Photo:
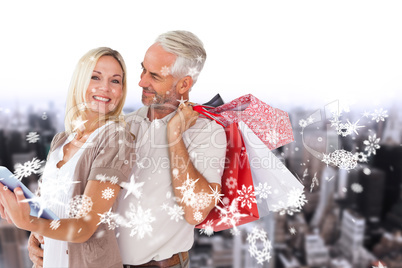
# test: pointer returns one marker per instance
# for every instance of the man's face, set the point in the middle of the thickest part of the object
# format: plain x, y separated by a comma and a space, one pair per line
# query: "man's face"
159, 86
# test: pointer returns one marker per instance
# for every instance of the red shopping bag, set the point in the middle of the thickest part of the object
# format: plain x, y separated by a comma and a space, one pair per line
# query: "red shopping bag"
270, 124
238, 204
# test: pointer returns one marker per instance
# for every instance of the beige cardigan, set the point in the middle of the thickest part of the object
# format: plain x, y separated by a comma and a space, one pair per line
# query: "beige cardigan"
111, 153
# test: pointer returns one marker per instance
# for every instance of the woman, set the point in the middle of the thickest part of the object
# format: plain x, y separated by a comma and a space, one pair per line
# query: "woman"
85, 166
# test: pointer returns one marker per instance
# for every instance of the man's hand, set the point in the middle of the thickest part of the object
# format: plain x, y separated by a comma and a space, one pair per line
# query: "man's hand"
181, 121
3, 214
34, 249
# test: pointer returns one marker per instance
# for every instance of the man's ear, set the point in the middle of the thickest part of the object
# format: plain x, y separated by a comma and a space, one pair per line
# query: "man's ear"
184, 85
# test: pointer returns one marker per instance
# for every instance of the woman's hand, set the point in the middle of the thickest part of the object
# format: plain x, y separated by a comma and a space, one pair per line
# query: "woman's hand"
16, 209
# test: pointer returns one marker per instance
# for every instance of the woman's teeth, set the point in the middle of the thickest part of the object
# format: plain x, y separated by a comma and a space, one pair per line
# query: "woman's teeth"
101, 99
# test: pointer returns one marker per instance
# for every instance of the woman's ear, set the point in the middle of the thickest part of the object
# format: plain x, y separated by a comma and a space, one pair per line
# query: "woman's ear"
184, 85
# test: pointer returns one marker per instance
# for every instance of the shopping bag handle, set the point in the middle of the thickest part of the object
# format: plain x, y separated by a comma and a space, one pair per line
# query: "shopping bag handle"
202, 109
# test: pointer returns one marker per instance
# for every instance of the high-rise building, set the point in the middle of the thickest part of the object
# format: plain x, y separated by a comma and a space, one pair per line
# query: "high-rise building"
352, 235
317, 254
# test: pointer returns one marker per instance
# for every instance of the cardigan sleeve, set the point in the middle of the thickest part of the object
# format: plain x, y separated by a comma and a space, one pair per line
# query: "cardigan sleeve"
114, 155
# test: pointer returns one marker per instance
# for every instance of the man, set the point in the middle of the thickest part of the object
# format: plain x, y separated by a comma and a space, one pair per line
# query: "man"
178, 162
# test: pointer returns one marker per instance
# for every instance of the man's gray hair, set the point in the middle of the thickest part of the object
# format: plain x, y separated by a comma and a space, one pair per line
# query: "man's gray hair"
189, 50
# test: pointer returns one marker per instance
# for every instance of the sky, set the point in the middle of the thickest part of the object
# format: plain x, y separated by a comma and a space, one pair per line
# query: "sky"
287, 53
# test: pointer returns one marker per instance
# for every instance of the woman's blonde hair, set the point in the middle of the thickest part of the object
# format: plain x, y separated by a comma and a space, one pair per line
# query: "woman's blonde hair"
76, 106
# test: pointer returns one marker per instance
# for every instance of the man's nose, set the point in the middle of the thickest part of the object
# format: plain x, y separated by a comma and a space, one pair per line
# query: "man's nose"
144, 81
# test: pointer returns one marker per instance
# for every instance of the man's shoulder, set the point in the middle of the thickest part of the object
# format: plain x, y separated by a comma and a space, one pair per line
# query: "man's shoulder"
136, 116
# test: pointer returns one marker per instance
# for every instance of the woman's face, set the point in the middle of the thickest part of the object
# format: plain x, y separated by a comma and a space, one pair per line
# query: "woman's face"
105, 88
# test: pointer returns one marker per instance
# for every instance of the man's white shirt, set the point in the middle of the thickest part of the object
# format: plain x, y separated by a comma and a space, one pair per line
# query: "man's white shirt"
156, 227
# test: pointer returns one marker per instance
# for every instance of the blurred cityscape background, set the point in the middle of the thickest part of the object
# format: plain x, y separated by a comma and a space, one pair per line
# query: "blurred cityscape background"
353, 218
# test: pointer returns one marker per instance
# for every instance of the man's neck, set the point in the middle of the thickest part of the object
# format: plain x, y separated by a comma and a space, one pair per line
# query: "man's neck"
159, 112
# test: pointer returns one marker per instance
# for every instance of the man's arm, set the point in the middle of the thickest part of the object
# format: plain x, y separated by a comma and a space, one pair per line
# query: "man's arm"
184, 172
34, 249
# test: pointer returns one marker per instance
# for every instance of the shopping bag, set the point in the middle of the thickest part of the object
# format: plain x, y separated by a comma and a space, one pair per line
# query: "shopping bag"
238, 205
270, 124
276, 188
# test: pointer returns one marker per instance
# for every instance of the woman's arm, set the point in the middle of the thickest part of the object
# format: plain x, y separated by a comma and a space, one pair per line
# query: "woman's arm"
71, 230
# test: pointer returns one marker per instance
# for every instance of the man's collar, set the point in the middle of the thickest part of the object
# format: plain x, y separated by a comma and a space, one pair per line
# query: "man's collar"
142, 114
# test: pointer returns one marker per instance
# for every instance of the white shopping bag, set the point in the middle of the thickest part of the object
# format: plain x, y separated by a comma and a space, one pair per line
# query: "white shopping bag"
273, 182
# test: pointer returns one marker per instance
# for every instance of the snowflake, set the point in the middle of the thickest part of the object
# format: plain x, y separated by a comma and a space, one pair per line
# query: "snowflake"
263, 254
230, 215
79, 206
361, 157
199, 58
109, 218
379, 115
192, 71
207, 228
114, 180
51, 189
343, 159
372, 144
182, 101
272, 136
197, 216
263, 190
139, 221
335, 119
107, 193
296, 198
101, 177
187, 191
201, 201
314, 181
176, 212
326, 158
132, 188
354, 127
235, 231
231, 183
246, 196
54, 224
216, 194
356, 187
165, 71
32, 137
27, 168
343, 129
302, 123
292, 230
78, 123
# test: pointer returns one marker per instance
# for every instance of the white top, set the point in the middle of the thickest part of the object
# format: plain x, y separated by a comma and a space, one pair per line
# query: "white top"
56, 191
156, 228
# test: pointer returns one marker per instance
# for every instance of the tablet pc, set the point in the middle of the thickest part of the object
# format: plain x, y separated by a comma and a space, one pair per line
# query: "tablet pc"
8, 179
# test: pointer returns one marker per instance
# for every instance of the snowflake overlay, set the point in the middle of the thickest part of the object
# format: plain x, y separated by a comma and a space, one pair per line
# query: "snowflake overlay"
28, 168
230, 215
231, 183
139, 221
54, 224
263, 190
246, 196
107, 193
79, 206
372, 144
32, 137
296, 200
176, 212
263, 254
207, 228
187, 191
109, 218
